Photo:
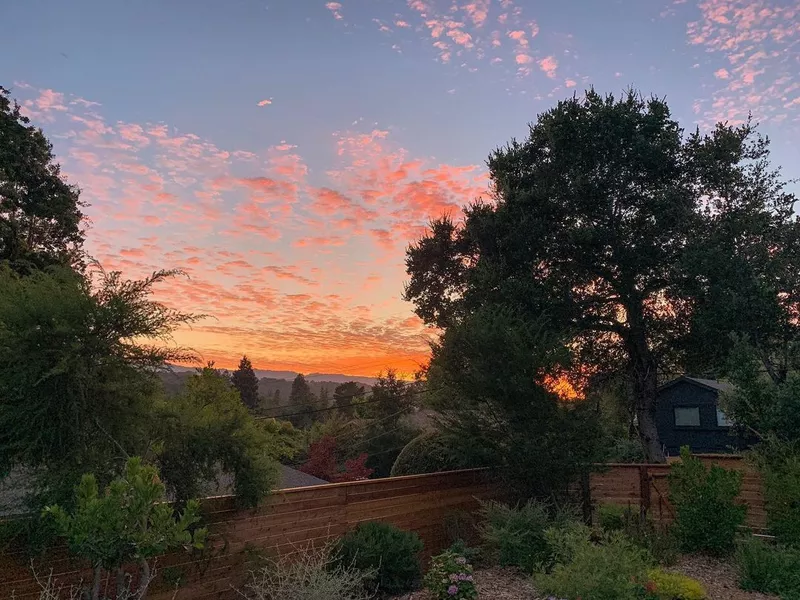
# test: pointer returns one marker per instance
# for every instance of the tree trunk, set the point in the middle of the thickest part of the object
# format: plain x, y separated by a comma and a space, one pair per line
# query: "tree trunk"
144, 578
644, 383
643, 374
98, 576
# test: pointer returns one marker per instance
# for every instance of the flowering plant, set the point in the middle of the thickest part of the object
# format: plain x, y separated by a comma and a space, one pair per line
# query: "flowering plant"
450, 577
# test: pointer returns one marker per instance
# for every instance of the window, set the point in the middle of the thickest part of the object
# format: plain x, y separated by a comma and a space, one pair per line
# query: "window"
723, 420
687, 416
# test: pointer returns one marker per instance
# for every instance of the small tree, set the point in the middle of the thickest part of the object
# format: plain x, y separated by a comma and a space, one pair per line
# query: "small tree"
129, 523
706, 514
322, 463
244, 379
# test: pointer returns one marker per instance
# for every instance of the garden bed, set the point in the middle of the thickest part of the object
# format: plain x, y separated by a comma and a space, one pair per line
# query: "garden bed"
718, 577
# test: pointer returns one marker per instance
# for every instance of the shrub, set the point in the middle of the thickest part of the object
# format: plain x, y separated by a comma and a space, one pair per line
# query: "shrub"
674, 586
515, 536
310, 575
706, 515
614, 569
129, 523
770, 569
426, 453
782, 498
392, 553
450, 576
612, 517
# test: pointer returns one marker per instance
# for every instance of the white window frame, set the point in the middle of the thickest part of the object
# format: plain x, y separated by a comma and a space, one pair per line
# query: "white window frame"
722, 419
686, 408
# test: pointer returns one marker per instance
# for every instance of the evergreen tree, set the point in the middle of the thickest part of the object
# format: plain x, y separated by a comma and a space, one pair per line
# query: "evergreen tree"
244, 379
302, 402
345, 395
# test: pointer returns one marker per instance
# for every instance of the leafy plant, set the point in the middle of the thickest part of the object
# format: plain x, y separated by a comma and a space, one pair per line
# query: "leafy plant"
674, 586
392, 553
322, 463
129, 523
613, 569
450, 576
658, 541
706, 514
782, 497
311, 574
612, 517
515, 536
770, 569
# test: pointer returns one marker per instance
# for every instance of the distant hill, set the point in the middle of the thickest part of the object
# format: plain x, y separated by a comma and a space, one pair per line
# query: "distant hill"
335, 378
175, 380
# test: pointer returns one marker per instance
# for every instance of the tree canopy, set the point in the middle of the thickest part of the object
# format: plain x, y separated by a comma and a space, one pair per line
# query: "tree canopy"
646, 246
40, 213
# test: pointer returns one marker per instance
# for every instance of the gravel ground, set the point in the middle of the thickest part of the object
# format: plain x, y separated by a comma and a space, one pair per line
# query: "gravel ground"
718, 577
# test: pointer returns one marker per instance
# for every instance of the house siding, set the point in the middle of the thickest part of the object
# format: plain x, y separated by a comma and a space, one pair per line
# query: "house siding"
709, 437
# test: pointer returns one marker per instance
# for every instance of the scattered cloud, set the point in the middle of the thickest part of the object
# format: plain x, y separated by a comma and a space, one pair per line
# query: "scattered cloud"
265, 102
549, 66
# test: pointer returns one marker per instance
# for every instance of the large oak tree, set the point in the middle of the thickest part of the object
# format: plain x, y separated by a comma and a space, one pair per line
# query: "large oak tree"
648, 246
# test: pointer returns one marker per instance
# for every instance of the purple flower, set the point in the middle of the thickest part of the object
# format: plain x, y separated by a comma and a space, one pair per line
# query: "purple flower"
452, 590
453, 577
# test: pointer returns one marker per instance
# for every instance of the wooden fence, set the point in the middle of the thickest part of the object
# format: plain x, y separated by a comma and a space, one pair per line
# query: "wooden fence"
645, 488
287, 519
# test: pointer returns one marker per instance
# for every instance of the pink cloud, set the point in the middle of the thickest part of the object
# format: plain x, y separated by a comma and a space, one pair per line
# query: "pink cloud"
549, 65
721, 74
335, 7
523, 59
265, 102
570, 83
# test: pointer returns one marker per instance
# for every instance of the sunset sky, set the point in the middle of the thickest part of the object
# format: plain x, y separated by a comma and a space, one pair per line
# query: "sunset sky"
284, 153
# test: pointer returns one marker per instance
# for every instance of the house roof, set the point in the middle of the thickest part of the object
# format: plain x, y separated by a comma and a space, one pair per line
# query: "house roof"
712, 384
292, 478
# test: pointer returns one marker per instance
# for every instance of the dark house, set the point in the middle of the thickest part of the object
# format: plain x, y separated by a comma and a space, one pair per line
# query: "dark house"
688, 414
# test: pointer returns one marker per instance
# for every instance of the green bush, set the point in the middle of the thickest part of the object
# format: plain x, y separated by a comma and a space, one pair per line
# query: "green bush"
391, 552
614, 569
707, 517
426, 453
782, 498
515, 536
659, 542
770, 569
612, 517
674, 586
450, 577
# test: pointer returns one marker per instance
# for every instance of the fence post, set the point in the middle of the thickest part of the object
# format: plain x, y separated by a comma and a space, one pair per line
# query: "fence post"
644, 492
586, 493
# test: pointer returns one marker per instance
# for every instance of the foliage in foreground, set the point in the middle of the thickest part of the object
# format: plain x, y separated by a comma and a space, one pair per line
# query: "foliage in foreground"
781, 476
450, 576
770, 569
660, 542
311, 574
516, 535
129, 523
707, 516
674, 586
392, 553
613, 569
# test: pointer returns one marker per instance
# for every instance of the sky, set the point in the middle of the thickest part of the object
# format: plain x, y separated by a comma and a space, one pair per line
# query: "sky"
284, 153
